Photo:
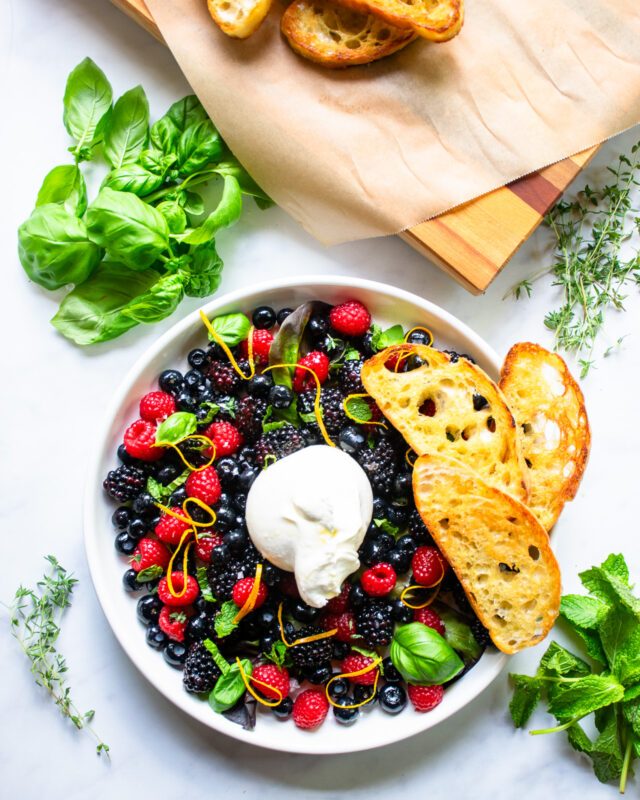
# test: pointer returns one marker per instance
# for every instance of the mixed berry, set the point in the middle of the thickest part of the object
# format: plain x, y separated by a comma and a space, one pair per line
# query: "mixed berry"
233, 622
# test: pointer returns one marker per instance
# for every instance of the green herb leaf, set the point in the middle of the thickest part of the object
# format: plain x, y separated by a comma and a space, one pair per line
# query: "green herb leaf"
205, 272
149, 574
203, 583
606, 752
174, 214
285, 348
351, 354
526, 696
132, 178
158, 302
584, 695
557, 660
219, 660
193, 203
459, 635
245, 181
620, 637
54, 249
126, 133
186, 112
610, 583
228, 407
231, 328
364, 651
583, 612
224, 622
199, 145
386, 527
279, 654
578, 739
160, 492
422, 656
359, 408
87, 98
164, 135
381, 339
65, 186
226, 213
177, 427
229, 687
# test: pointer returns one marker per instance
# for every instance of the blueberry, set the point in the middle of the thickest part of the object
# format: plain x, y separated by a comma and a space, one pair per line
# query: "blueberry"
247, 477
250, 629
280, 396
407, 543
357, 596
186, 402
392, 698
197, 358
320, 675
193, 378
228, 471
204, 393
125, 457
339, 688
351, 439
380, 507
284, 709
367, 344
330, 345
302, 612
318, 325
220, 555
361, 693
246, 455
400, 612
267, 619
419, 337
400, 560
120, 518
156, 637
175, 654
264, 317
340, 650
171, 381
130, 581
144, 504
345, 716
240, 501
389, 672
267, 642
148, 609
260, 386
197, 628
167, 474
236, 541
225, 518
283, 314
398, 515
178, 497
124, 544
270, 575
375, 550
402, 486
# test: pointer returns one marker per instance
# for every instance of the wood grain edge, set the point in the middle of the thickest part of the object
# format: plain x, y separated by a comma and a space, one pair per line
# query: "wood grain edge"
138, 11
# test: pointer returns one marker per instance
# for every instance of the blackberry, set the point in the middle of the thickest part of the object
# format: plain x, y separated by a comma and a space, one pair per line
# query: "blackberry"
124, 483
454, 356
249, 417
418, 529
333, 414
223, 377
223, 577
379, 464
480, 633
349, 379
200, 670
375, 624
279, 443
311, 654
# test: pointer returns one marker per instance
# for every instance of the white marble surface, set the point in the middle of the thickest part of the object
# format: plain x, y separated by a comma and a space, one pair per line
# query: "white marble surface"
53, 396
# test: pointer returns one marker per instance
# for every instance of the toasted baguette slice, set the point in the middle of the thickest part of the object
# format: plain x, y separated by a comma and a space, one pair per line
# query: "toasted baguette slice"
238, 18
496, 547
334, 36
434, 408
437, 20
552, 426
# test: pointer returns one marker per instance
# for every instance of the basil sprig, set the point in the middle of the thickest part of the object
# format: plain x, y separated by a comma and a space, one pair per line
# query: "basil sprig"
422, 656
143, 219
229, 687
176, 427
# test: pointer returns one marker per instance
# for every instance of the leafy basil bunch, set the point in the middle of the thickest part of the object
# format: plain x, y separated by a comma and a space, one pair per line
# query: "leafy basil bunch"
136, 250
422, 656
229, 687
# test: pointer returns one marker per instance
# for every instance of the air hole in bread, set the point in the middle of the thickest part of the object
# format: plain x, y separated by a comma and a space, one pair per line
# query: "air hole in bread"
482, 578
527, 428
512, 520
508, 567
491, 425
428, 408
530, 605
500, 620
528, 463
468, 432
534, 553
384, 34
452, 433
444, 523
479, 402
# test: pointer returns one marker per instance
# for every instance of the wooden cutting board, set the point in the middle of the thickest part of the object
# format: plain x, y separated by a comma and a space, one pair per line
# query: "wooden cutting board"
473, 242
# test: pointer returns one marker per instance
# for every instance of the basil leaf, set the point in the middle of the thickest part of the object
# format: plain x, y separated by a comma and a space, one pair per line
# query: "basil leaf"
92, 311
231, 328
203, 583
176, 427
164, 135
161, 492
87, 98
199, 145
285, 348
245, 181
64, 185
158, 302
204, 274
229, 687
219, 660
126, 133
557, 660
359, 408
54, 249
133, 178
422, 656
130, 230
224, 623
174, 214
583, 612
186, 112
193, 203
581, 697
156, 161
526, 696
459, 635
226, 213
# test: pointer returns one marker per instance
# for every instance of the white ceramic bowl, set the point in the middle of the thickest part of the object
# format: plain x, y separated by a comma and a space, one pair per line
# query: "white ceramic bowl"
387, 305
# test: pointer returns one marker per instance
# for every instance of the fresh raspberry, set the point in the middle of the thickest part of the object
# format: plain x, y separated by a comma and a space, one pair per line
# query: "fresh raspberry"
169, 529
150, 553
139, 440
425, 698
206, 543
242, 590
344, 623
350, 318
316, 361
173, 621
272, 676
204, 485
428, 566
429, 618
310, 709
339, 604
379, 579
354, 662
262, 341
157, 406
177, 581
226, 437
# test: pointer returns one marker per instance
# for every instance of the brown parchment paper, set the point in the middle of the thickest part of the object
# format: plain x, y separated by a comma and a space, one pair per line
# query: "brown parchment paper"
373, 150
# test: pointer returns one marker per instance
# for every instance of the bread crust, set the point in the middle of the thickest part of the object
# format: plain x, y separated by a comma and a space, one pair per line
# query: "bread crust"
497, 548
336, 37
436, 20
552, 426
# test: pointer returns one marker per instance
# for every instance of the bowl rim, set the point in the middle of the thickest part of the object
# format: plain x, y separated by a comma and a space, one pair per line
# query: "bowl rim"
308, 744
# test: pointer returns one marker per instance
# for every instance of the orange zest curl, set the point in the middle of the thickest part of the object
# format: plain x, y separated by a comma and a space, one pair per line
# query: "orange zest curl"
225, 348
349, 415
400, 353
407, 457
196, 437
305, 639
185, 556
248, 679
424, 330
415, 586
187, 518
374, 664
250, 602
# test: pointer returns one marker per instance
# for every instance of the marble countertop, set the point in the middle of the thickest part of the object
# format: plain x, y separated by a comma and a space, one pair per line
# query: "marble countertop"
53, 397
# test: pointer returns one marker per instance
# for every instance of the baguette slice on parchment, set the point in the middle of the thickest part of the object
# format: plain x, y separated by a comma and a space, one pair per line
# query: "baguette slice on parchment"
334, 36
437, 20
496, 547
238, 18
552, 426
452, 408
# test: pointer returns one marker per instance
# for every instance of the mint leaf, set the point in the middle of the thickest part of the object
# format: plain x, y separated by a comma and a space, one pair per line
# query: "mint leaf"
386, 526
364, 652
581, 697
308, 417
231, 328
273, 426
279, 654
559, 661
620, 636
606, 752
149, 574
584, 612
381, 339
351, 354
160, 492
592, 644
578, 739
176, 427
224, 623
526, 696
610, 582
631, 712
359, 408
203, 583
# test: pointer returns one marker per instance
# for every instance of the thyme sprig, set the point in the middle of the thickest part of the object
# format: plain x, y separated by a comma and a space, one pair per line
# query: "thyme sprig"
589, 263
35, 616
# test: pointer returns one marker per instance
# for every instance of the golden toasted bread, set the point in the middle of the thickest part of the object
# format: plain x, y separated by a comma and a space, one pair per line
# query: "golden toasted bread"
552, 426
238, 18
437, 20
496, 547
329, 34
450, 407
